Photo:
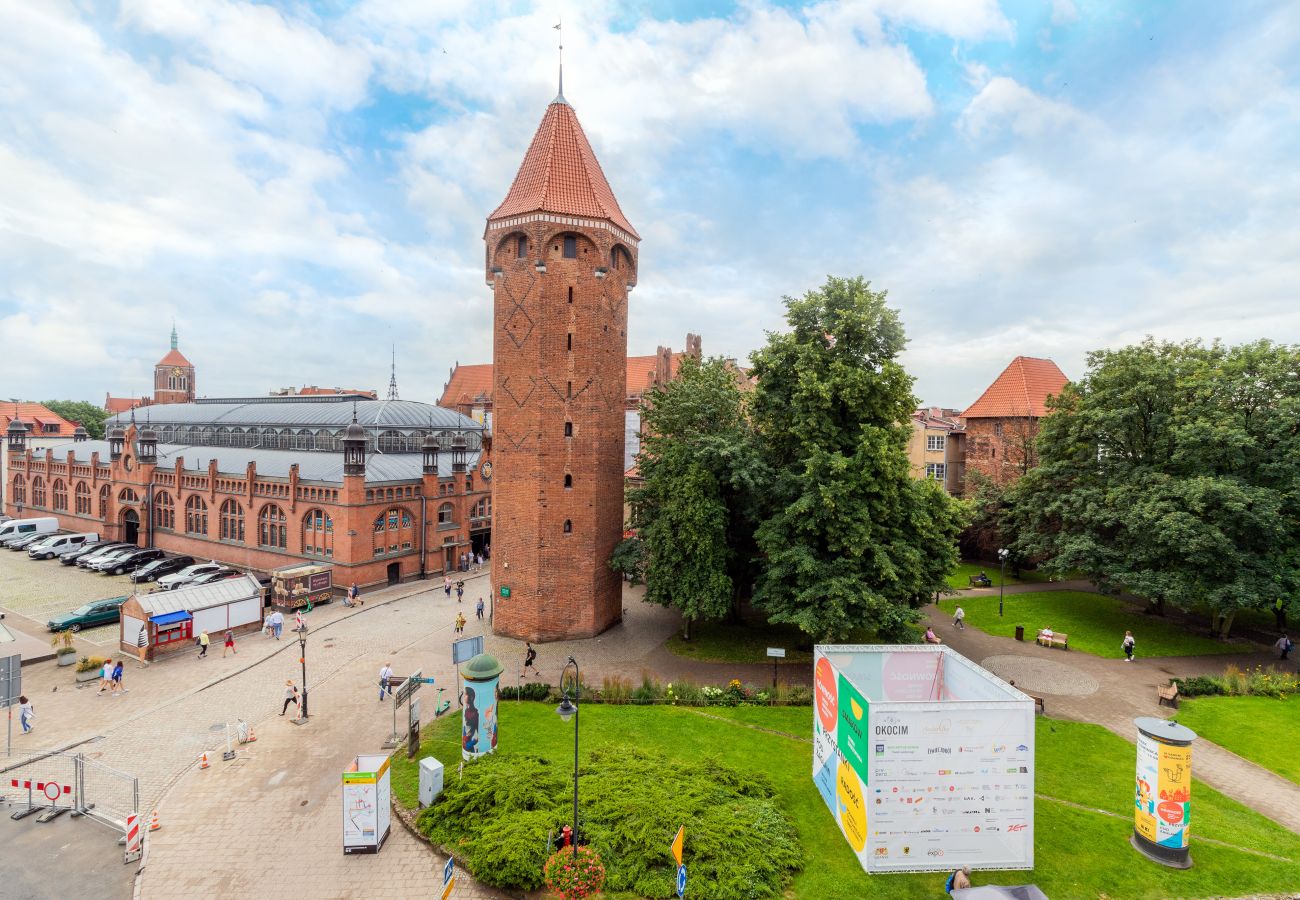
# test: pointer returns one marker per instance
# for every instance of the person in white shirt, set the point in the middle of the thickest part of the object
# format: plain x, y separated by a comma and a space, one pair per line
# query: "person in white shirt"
959, 618
106, 677
385, 674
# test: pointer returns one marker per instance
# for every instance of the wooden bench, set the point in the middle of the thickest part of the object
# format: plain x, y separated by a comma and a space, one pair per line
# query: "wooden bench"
1168, 695
1056, 639
977, 581
1038, 704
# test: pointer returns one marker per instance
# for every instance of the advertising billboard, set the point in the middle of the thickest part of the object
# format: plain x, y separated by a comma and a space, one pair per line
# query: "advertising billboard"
925, 760
1162, 796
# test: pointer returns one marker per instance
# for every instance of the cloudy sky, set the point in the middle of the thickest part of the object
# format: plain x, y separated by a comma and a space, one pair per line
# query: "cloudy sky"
303, 184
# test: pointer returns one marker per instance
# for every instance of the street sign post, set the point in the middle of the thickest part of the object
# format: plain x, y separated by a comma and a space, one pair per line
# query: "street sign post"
11, 688
777, 654
677, 844
681, 881
448, 877
413, 728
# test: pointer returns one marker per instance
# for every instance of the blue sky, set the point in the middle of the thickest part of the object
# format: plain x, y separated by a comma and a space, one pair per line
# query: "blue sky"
301, 185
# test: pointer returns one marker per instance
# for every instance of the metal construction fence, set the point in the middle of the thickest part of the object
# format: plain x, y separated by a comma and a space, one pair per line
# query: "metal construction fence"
69, 782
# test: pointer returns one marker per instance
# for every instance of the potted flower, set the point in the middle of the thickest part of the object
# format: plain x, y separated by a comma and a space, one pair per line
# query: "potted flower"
575, 876
64, 649
89, 668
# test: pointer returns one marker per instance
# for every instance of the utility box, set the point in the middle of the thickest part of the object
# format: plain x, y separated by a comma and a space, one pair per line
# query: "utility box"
430, 781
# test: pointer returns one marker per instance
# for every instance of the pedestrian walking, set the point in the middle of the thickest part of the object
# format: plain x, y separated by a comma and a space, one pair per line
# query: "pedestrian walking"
204, 640
105, 677
959, 618
290, 696
460, 591
1284, 646
353, 596
1128, 644
446, 585
229, 645
460, 623
530, 659
385, 681
478, 609
277, 623
25, 713
117, 679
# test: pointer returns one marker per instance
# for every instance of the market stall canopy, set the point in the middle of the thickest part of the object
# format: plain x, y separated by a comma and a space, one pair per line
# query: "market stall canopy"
1000, 892
171, 618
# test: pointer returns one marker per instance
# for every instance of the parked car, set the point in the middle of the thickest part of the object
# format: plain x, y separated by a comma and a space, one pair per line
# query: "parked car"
55, 544
131, 561
160, 567
188, 574
108, 559
219, 575
25, 541
99, 612
19, 527
69, 555
99, 552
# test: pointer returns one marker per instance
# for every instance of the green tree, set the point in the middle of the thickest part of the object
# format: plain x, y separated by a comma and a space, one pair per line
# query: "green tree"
700, 472
1171, 471
849, 539
80, 412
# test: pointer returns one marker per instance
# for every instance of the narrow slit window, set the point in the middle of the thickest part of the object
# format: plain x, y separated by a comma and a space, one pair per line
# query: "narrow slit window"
568, 482
570, 390
568, 429
568, 526
570, 294
521, 247
570, 344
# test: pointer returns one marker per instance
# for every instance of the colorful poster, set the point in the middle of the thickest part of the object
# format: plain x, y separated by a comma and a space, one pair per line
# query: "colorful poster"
478, 730
852, 728
1162, 806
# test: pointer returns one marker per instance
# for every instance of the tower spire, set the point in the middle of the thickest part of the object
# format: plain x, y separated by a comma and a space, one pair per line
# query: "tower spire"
559, 98
392, 377
173, 334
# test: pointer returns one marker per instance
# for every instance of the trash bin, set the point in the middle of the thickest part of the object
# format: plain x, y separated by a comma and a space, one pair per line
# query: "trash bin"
1020, 632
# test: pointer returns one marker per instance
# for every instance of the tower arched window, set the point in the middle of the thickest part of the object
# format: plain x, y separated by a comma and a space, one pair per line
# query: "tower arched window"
271, 531
20, 489
568, 526
127, 495
82, 499
318, 533
60, 494
38, 491
394, 532
196, 515
232, 522
164, 511
568, 429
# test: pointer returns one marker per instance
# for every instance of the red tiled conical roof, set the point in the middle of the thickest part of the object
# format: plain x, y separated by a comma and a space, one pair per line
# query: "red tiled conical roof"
1021, 390
560, 174
174, 357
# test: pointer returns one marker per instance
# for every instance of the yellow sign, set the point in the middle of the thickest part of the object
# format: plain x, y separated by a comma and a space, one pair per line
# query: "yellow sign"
853, 809
677, 844
446, 892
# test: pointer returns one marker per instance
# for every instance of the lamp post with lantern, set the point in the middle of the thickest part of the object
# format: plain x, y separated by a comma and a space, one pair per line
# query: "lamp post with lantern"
569, 710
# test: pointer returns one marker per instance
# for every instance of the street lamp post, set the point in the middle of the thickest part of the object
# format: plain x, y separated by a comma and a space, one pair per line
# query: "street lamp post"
1002, 559
569, 710
302, 658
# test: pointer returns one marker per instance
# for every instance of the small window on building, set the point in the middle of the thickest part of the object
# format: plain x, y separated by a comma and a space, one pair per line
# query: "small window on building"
997, 429
568, 526
570, 390
521, 247
570, 344
568, 429
570, 247
936, 471
934, 442
570, 294
568, 482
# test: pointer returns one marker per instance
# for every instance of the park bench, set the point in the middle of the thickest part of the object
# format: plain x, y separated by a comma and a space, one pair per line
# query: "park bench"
1055, 639
1038, 704
1168, 695
980, 581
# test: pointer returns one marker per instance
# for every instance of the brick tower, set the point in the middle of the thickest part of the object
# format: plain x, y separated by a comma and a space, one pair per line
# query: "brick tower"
173, 377
561, 259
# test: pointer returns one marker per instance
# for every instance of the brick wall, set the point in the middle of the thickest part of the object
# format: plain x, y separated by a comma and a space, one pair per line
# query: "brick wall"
1000, 449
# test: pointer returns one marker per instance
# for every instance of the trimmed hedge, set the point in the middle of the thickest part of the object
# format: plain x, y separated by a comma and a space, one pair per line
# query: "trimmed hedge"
499, 816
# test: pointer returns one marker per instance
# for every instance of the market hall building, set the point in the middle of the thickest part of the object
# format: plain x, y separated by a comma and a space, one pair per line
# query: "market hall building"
384, 490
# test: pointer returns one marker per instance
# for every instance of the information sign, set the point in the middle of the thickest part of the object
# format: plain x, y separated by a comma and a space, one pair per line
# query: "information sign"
776, 652
505, 592
681, 881
11, 679
448, 870
464, 650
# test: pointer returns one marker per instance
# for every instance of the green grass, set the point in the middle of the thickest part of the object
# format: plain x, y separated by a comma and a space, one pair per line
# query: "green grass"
960, 577
1095, 623
747, 642
1261, 729
1080, 853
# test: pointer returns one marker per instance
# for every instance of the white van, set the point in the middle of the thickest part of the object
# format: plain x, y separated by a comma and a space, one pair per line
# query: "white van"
55, 544
17, 528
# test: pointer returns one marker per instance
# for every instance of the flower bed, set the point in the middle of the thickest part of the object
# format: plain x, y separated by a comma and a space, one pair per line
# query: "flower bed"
1257, 682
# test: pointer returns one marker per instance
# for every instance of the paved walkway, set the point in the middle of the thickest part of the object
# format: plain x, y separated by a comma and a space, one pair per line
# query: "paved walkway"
1112, 693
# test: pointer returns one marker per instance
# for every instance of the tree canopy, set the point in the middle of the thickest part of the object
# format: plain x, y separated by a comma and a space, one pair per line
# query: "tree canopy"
1171, 470
89, 415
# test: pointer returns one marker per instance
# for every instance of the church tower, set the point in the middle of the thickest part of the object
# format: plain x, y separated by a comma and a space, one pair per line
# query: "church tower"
173, 377
561, 260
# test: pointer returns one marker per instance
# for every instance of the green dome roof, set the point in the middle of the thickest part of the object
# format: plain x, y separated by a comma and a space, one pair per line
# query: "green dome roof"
483, 667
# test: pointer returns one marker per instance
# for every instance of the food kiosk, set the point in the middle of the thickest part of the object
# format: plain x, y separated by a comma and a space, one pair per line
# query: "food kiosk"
304, 584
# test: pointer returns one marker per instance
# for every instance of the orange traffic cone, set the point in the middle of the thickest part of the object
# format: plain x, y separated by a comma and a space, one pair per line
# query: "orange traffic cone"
154, 825
251, 736
203, 760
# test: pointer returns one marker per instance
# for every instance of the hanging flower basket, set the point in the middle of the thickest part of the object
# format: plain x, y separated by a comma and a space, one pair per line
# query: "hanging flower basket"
573, 878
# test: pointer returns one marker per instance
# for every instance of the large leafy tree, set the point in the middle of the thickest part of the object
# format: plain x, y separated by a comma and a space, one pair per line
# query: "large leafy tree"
1173, 471
89, 415
850, 539
700, 473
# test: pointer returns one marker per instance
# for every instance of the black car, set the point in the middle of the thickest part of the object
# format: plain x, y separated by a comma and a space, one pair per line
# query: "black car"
160, 567
133, 561
70, 556
25, 541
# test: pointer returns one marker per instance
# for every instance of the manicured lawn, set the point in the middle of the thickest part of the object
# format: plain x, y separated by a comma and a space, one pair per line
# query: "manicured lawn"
1095, 623
1079, 852
1263, 730
743, 642
960, 577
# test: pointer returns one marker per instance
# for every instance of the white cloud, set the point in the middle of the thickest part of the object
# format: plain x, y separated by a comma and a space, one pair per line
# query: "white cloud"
1004, 103
1064, 12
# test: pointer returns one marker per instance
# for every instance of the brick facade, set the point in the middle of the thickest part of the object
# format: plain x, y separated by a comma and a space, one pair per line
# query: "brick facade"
1002, 425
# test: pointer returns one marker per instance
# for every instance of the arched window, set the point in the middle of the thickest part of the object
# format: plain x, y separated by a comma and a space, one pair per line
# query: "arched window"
392, 442
482, 509
82, 499
59, 490
318, 533
164, 511
568, 482
167, 434
394, 532
38, 491
20, 489
208, 435
568, 526
304, 439
271, 531
127, 496
103, 502
238, 438
196, 515
232, 522
446, 514
568, 429
325, 440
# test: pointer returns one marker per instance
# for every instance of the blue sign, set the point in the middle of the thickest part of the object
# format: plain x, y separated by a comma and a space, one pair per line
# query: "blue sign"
681, 881
447, 870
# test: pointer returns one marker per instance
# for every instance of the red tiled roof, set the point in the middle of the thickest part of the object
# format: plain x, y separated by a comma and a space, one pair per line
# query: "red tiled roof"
467, 384
115, 405
174, 357
311, 390
34, 414
1021, 390
641, 371
560, 174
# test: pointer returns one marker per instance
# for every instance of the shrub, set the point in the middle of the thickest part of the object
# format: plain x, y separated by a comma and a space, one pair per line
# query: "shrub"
86, 663
1199, 686
1259, 682
575, 876
529, 690
615, 689
687, 693
649, 690
799, 695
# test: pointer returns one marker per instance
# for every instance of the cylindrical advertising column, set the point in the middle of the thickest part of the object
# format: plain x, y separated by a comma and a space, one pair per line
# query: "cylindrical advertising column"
478, 726
1162, 814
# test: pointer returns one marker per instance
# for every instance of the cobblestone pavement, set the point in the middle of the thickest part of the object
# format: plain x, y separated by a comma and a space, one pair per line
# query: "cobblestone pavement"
38, 589
1126, 691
